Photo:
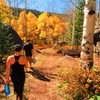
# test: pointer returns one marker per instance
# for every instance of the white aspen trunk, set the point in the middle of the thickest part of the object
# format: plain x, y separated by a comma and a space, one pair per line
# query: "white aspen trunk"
17, 8
15, 14
73, 24
69, 17
16, 28
98, 12
97, 23
9, 12
14, 8
86, 60
25, 19
69, 11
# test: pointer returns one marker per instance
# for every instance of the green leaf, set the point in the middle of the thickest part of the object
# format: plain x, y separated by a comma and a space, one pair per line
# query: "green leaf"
59, 85
66, 98
66, 81
98, 97
88, 96
91, 99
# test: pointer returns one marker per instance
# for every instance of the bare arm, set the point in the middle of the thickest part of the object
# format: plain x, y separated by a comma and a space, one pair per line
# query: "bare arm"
22, 52
8, 65
33, 52
26, 64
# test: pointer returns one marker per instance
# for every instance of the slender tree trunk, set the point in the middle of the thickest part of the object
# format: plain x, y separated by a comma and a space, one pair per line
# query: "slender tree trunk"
97, 24
25, 19
14, 8
98, 12
16, 28
73, 24
15, 14
69, 19
9, 12
88, 35
17, 8
69, 11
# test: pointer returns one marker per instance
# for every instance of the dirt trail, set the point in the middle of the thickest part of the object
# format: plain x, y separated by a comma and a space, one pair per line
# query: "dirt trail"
42, 78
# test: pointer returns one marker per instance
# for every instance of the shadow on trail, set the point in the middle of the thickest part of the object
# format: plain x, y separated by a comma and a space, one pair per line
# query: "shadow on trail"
48, 74
39, 75
3, 91
3, 97
1, 80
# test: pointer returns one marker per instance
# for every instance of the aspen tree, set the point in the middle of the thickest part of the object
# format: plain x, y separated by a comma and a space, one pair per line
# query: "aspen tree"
97, 23
88, 34
98, 12
73, 33
25, 19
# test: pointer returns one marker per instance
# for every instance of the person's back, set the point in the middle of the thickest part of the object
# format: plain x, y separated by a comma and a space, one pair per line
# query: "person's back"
18, 76
15, 68
28, 49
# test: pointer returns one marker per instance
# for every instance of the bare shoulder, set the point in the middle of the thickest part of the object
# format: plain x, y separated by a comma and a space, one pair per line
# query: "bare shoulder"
10, 57
24, 58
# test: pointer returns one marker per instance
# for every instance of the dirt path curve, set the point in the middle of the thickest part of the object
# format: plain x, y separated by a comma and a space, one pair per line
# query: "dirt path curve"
41, 79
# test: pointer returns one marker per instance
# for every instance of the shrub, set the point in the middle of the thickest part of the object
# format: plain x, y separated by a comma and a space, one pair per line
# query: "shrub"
79, 84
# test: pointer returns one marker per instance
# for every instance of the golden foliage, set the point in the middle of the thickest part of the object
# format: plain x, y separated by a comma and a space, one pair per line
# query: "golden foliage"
37, 29
4, 12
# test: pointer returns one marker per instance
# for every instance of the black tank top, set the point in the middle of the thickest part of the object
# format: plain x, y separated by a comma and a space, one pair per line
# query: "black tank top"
17, 69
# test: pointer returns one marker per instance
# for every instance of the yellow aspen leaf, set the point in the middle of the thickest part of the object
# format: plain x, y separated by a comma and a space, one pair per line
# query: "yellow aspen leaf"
86, 86
89, 81
42, 34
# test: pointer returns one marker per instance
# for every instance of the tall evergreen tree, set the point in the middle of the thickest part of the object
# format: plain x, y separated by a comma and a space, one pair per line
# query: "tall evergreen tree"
5, 44
78, 24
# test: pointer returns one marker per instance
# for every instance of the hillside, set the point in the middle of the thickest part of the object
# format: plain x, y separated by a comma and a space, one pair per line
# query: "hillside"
63, 17
35, 12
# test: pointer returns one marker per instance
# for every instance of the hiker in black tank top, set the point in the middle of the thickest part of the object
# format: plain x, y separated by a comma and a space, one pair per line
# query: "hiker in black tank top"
16, 64
17, 68
18, 77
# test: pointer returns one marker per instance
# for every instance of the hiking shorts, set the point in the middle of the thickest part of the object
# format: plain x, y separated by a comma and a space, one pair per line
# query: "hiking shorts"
29, 58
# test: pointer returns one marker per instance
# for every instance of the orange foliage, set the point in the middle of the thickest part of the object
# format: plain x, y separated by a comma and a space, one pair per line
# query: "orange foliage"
79, 83
4, 10
21, 24
43, 30
40, 47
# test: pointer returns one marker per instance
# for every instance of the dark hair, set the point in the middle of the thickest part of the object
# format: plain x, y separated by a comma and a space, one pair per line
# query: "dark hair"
28, 40
17, 47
